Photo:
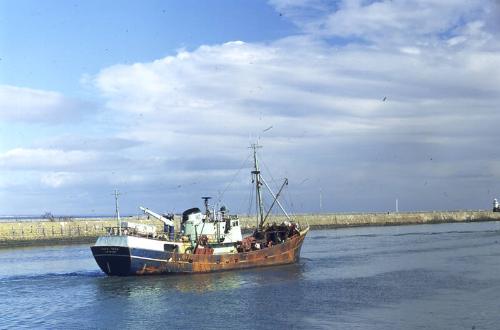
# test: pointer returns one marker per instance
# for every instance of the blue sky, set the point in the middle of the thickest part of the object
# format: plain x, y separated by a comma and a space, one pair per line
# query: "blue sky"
369, 101
51, 44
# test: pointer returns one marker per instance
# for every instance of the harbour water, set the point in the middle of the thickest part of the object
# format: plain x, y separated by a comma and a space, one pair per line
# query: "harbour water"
444, 276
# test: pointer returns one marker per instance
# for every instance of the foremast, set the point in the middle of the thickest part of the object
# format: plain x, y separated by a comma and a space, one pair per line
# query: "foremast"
258, 183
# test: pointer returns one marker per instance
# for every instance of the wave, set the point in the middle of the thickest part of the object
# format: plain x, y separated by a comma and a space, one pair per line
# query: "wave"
423, 233
44, 276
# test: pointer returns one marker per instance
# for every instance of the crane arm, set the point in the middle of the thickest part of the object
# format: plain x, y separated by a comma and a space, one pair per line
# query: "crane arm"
157, 216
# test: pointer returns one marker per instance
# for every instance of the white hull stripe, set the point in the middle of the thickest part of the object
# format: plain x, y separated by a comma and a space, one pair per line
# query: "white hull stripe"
152, 259
127, 256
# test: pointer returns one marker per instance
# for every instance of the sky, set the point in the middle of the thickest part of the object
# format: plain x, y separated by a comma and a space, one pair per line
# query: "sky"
358, 103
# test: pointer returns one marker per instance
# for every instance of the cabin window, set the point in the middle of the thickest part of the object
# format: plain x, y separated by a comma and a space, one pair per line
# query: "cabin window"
235, 223
170, 248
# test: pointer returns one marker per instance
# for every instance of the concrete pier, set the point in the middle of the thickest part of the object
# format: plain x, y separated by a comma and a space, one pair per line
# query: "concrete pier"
84, 230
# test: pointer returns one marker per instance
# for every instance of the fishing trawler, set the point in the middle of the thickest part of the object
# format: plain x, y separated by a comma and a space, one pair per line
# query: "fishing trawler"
208, 241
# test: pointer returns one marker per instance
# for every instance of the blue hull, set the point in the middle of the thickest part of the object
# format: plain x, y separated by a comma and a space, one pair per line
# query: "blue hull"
123, 261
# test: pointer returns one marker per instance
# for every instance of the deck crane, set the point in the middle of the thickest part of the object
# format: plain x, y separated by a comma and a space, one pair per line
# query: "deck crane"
168, 223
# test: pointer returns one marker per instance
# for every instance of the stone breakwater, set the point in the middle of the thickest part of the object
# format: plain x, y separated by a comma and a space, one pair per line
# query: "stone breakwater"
71, 230
391, 219
85, 230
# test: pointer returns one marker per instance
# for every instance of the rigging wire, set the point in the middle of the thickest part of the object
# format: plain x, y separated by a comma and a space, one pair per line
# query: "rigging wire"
221, 194
276, 187
250, 201
289, 201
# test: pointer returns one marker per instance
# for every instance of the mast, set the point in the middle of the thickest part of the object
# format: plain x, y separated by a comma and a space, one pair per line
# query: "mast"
258, 183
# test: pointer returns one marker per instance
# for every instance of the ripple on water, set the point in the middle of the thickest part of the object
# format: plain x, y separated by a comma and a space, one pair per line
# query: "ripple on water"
371, 278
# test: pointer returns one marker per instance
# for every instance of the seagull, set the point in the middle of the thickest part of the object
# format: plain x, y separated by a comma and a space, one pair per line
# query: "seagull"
384, 99
267, 129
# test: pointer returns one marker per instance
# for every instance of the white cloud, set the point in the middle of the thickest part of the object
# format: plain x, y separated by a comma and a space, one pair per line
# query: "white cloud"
80, 142
393, 24
373, 99
22, 158
411, 50
289, 87
32, 105
59, 179
432, 86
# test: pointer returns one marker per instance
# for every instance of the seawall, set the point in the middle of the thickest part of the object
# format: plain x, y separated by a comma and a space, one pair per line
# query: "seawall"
70, 231
84, 230
342, 220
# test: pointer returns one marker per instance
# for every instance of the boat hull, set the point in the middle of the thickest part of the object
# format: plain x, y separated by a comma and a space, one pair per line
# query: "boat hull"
122, 261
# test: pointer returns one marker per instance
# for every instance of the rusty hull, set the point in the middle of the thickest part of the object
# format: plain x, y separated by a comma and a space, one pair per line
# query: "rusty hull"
280, 254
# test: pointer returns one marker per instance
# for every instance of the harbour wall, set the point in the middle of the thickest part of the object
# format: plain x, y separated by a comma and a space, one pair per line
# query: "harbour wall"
28, 232
342, 220
86, 230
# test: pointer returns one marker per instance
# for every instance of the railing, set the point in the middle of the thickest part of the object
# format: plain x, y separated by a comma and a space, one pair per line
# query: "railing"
132, 231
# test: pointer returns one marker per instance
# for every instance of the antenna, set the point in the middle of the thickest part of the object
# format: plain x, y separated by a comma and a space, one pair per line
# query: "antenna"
207, 211
117, 212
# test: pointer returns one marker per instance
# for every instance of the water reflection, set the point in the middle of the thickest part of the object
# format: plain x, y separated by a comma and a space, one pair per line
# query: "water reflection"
202, 283
140, 286
345, 279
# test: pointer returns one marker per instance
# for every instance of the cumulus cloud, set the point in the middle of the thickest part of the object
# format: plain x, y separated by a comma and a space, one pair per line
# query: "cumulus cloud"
59, 179
289, 86
389, 22
21, 104
22, 158
87, 143
406, 82
371, 101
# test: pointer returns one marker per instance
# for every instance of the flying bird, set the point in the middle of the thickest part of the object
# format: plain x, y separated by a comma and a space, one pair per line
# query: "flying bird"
384, 99
267, 129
